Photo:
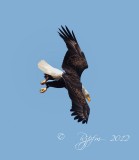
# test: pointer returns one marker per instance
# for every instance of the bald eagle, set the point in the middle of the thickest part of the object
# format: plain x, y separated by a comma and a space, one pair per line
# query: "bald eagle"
74, 64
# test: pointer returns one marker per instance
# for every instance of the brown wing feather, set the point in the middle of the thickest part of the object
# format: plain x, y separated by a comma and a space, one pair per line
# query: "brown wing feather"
80, 107
74, 61
74, 64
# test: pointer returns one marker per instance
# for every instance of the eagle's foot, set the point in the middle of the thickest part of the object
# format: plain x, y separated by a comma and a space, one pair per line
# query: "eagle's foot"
43, 82
42, 90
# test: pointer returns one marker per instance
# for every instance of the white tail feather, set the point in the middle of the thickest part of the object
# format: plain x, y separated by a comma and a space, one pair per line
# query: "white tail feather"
48, 69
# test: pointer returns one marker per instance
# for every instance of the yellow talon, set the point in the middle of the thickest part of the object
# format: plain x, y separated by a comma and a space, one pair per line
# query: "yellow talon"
42, 90
43, 82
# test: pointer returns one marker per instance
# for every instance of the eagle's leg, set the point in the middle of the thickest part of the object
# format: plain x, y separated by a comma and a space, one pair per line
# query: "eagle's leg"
47, 77
56, 83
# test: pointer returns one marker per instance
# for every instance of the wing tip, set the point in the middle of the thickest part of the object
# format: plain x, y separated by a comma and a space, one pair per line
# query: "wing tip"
67, 34
78, 117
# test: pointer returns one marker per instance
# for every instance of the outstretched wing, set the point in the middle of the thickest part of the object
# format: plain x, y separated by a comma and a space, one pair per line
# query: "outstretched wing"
80, 108
74, 61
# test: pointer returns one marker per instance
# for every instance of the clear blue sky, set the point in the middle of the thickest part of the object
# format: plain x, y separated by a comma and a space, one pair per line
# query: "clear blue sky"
108, 33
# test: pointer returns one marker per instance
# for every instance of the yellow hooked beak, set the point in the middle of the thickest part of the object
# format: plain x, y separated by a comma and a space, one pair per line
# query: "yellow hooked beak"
88, 98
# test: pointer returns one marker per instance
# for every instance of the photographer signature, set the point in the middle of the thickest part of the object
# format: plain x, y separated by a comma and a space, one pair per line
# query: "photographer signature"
86, 140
